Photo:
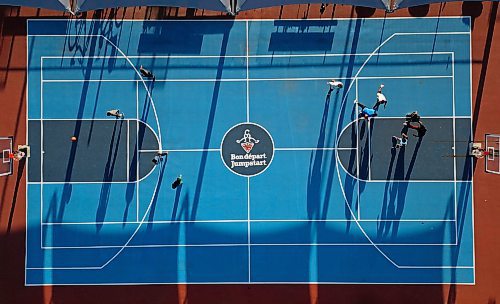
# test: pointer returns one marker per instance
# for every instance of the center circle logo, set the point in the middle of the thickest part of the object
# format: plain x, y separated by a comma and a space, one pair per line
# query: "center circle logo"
247, 149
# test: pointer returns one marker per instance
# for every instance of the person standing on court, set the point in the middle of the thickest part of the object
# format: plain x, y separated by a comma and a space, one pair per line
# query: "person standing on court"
421, 129
399, 142
177, 182
413, 117
159, 157
146, 73
365, 112
116, 113
381, 99
334, 84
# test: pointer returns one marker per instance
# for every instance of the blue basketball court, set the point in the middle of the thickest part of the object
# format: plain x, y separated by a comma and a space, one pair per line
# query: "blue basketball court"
281, 181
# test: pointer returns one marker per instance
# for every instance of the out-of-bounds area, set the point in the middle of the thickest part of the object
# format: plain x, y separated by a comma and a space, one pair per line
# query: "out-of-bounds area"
286, 194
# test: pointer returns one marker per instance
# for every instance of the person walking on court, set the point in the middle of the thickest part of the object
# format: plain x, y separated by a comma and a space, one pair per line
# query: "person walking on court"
381, 99
421, 129
146, 73
116, 113
365, 112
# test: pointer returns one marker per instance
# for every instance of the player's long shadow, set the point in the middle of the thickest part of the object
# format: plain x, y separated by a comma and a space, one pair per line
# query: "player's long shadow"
392, 210
382, 223
397, 193
176, 202
68, 188
210, 125
147, 104
365, 162
96, 27
96, 100
349, 182
108, 175
129, 192
351, 48
365, 156
314, 178
163, 165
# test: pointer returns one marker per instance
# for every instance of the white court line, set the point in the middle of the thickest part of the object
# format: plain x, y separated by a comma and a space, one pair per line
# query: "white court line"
78, 183
247, 55
107, 119
418, 33
249, 240
358, 150
250, 80
128, 150
369, 137
454, 145
139, 120
184, 150
81, 119
247, 51
137, 185
240, 245
431, 33
168, 222
137, 175
41, 152
372, 181
312, 149
252, 283
26, 168
249, 243
426, 117
471, 160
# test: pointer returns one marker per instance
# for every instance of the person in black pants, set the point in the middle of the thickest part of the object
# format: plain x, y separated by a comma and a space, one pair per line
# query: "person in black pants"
413, 117
421, 129
146, 73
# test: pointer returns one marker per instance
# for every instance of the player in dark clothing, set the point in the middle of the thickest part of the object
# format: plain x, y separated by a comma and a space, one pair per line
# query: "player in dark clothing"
413, 117
177, 182
159, 157
146, 73
421, 129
